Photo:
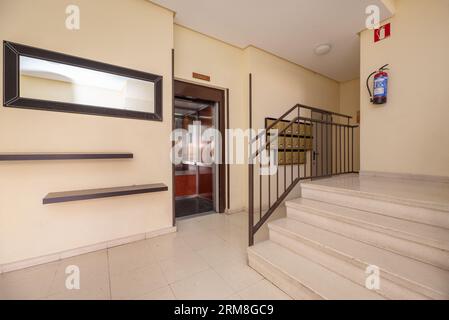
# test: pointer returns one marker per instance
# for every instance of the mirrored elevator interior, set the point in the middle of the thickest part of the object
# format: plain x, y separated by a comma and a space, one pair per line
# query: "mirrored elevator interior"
195, 179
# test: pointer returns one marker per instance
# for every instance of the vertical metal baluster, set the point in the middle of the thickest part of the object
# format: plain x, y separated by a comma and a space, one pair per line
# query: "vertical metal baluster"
332, 145
291, 153
322, 147
303, 151
278, 168
277, 174
352, 150
341, 148
299, 143
260, 188
327, 145
349, 150
285, 159
250, 172
337, 150
311, 151
344, 146
349, 158
269, 175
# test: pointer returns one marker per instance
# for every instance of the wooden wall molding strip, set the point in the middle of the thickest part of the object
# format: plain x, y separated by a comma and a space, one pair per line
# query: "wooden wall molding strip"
78, 195
63, 156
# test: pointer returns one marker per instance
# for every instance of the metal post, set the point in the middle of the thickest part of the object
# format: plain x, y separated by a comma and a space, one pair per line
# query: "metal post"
250, 172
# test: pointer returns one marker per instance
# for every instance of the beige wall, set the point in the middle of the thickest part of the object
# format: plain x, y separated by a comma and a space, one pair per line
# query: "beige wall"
138, 35
350, 105
410, 133
277, 86
195, 52
134, 34
350, 99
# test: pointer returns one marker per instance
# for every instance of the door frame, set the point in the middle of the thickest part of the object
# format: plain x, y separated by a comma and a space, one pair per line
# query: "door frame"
194, 91
322, 153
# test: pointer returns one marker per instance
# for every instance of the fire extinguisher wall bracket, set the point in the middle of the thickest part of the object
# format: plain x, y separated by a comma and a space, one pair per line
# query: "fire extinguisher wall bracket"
380, 86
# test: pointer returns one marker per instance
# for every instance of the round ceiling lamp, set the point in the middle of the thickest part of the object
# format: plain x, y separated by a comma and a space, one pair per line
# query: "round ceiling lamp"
323, 49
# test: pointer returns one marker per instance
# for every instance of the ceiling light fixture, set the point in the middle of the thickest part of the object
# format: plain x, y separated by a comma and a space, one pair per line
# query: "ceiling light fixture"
323, 49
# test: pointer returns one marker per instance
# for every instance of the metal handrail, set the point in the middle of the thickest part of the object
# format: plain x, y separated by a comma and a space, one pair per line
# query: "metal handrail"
297, 120
293, 109
255, 154
325, 111
275, 123
337, 157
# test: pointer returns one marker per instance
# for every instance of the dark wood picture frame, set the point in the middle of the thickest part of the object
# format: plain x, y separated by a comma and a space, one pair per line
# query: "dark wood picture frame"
11, 87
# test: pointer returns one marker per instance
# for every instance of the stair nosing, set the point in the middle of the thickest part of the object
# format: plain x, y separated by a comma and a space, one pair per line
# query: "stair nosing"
279, 269
390, 230
308, 286
380, 197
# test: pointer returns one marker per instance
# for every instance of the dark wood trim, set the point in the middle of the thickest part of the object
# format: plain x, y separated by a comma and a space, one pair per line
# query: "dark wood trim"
250, 167
228, 165
62, 156
200, 76
199, 92
173, 167
79, 195
11, 96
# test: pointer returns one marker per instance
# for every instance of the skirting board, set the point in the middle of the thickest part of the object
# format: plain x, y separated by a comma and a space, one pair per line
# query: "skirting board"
8, 267
405, 176
234, 211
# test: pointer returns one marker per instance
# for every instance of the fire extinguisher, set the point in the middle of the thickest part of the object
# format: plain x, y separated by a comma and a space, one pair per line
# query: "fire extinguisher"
380, 87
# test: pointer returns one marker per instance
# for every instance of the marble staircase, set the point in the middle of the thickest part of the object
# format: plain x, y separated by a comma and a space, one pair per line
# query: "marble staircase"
341, 226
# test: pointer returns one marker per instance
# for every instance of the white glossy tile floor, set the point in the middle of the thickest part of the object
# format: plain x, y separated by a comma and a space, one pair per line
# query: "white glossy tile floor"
205, 259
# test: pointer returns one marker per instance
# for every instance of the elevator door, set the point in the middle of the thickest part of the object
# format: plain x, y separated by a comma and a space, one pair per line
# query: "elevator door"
194, 176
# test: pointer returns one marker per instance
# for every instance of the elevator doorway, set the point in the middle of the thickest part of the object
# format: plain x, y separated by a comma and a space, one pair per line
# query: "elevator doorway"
198, 184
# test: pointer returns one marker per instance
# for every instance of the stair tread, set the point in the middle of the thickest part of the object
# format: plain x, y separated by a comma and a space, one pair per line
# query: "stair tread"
416, 231
322, 281
389, 190
409, 269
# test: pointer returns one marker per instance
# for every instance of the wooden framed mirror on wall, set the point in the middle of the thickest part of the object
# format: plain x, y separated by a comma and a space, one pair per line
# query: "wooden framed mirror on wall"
46, 80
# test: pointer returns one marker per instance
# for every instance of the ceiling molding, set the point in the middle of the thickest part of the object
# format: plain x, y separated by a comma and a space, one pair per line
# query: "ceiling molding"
290, 29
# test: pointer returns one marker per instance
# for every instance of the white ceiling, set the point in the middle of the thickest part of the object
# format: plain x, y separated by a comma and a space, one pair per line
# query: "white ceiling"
290, 29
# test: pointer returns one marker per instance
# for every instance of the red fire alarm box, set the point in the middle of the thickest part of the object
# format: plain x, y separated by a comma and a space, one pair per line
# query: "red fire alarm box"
382, 33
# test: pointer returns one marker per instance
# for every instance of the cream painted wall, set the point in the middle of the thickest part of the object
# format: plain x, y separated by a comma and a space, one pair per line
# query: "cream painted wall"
350, 105
138, 35
277, 86
391, 5
134, 34
410, 133
195, 52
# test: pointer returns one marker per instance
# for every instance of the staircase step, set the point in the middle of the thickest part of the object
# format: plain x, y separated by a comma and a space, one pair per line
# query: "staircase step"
302, 278
431, 213
401, 277
414, 231
423, 242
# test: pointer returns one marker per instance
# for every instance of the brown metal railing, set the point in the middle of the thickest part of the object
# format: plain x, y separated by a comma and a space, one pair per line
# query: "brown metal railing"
332, 135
